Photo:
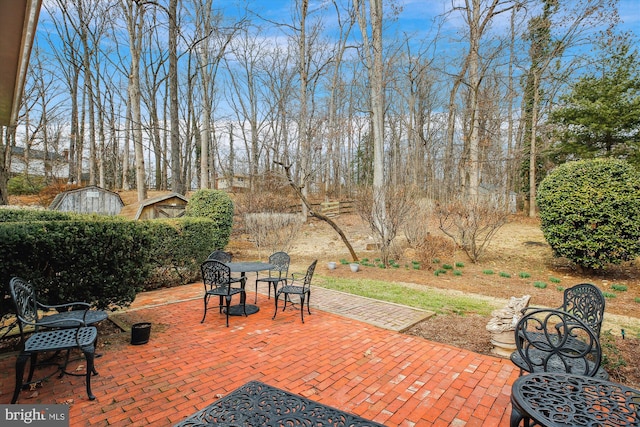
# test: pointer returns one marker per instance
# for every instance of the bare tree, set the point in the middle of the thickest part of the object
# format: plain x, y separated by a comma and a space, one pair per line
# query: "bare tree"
471, 225
373, 60
346, 21
478, 16
551, 34
134, 15
386, 224
313, 213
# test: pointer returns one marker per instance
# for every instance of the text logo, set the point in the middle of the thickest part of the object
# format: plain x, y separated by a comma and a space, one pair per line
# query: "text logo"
34, 415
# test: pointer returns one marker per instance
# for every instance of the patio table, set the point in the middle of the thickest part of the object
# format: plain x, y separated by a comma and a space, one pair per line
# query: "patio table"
243, 268
258, 404
566, 400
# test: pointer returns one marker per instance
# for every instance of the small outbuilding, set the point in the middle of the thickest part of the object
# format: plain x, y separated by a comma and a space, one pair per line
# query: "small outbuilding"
170, 205
88, 200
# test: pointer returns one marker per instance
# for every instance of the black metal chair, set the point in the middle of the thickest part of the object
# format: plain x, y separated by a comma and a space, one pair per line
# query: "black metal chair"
586, 302
546, 342
217, 280
221, 256
64, 316
303, 289
54, 333
279, 273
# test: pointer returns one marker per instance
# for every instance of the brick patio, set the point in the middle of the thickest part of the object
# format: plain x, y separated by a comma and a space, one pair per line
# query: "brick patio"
376, 373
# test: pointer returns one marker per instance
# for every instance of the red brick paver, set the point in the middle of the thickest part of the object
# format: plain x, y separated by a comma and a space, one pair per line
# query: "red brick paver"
382, 375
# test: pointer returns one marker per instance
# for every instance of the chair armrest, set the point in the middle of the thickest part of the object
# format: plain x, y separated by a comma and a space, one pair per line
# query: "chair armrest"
46, 307
530, 308
242, 280
297, 276
56, 323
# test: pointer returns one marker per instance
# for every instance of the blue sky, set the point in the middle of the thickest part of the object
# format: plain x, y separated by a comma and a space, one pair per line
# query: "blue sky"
416, 15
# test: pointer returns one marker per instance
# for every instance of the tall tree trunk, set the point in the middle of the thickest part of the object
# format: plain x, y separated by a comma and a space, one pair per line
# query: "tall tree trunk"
7, 138
177, 184
532, 147
135, 22
375, 68
303, 126
125, 149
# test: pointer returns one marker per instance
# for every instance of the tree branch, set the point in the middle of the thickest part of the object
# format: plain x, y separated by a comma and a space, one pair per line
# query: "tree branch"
298, 190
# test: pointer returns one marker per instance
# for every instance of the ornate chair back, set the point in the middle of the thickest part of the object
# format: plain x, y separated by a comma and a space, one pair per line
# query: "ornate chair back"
552, 340
216, 276
280, 261
25, 301
306, 285
586, 302
221, 256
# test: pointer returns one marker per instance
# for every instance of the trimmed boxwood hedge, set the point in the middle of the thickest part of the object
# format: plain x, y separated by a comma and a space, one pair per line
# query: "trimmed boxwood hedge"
590, 212
178, 247
218, 207
100, 259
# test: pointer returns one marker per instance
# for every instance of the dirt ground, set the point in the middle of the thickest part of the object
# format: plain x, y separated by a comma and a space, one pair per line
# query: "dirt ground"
518, 247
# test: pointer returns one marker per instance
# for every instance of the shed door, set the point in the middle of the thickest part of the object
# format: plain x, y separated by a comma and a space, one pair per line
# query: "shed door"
168, 211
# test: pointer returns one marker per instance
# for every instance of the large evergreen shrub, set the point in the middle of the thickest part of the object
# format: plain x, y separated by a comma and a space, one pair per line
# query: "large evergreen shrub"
177, 248
100, 260
590, 212
218, 207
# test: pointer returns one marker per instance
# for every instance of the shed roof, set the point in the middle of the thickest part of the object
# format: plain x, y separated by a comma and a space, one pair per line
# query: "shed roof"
60, 196
134, 210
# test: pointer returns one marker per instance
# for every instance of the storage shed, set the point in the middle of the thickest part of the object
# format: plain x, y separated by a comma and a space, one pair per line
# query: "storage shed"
170, 205
87, 200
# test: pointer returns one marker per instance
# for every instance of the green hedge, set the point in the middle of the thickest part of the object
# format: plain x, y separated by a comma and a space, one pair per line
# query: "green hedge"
26, 215
218, 207
590, 212
178, 247
100, 261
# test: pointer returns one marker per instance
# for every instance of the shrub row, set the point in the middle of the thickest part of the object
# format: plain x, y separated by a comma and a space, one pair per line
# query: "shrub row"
102, 260
177, 248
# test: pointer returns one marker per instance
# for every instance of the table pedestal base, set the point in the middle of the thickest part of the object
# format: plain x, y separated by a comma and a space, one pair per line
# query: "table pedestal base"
236, 310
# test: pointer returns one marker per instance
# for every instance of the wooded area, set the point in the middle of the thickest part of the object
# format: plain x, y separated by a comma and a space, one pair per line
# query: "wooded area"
175, 94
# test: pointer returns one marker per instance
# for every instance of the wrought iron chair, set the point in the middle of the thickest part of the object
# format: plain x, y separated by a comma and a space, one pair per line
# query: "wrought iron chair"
54, 333
303, 289
217, 280
280, 261
545, 342
221, 256
586, 302
65, 316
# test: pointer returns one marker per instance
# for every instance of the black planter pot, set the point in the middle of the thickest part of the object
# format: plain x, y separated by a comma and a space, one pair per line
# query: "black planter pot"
140, 333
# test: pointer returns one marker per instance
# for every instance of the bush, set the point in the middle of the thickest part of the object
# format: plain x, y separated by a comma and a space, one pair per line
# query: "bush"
432, 248
27, 215
471, 225
218, 207
590, 212
177, 248
100, 260
273, 231
21, 185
